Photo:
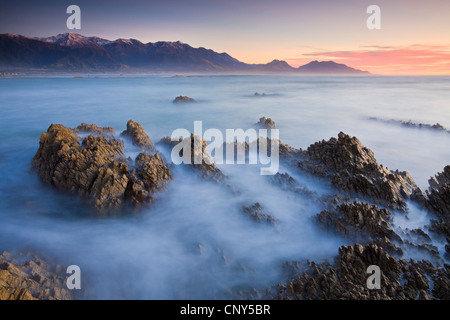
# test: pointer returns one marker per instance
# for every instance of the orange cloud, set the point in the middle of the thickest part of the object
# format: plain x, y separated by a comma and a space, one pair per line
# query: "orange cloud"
412, 60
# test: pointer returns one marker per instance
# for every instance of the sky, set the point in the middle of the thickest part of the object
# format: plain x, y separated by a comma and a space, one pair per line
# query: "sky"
414, 37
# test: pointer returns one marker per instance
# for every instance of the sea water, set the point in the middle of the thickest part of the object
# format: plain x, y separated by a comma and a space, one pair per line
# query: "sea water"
195, 242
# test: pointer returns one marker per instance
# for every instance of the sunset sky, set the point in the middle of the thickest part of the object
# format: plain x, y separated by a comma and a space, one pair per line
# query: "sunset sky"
414, 36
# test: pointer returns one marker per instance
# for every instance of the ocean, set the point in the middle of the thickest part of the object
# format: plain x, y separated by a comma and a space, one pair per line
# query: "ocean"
194, 242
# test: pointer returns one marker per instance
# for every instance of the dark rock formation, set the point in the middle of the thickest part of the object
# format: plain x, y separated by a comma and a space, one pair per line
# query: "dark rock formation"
358, 219
439, 194
94, 129
138, 136
183, 99
96, 168
266, 123
33, 279
257, 213
346, 278
412, 124
352, 168
200, 160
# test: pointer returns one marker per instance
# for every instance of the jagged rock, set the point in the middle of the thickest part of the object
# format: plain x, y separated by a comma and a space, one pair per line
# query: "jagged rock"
257, 213
183, 99
346, 278
409, 123
138, 136
358, 221
93, 128
200, 160
352, 168
288, 183
31, 280
439, 194
266, 123
96, 168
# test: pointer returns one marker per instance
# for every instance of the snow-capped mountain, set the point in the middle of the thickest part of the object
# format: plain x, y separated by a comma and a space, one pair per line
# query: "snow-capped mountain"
72, 52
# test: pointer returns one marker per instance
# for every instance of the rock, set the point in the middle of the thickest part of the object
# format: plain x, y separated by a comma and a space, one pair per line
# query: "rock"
360, 221
200, 160
257, 213
266, 123
412, 124
94, 129
439, 194
96, 168
352, 168
183, 99
346, 278
288, 183
138, 136
32, 280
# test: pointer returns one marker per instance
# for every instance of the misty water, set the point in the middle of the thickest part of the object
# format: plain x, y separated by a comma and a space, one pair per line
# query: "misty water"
195, 242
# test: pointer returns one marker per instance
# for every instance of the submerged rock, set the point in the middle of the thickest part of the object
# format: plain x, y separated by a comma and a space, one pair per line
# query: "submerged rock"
33, 279
266, 123
96, 168
183, 99
257, 213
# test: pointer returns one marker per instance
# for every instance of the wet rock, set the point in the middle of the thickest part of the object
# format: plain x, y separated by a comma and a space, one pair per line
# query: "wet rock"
138, 136
199, 158
32, 280
266, 123
411, 124
183, 99
257, 213
358, 221
94, 129
346, 278
439, 194
95, 168
352, 168
287, 183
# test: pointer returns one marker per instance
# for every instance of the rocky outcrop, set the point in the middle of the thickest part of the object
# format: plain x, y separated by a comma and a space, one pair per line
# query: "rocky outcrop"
346, 278
439, 194
138, 136
265, 123
33, 279
257, 213
95, 167
183, 99
94, 129
361, 222
200, 161
411, 124
352, 168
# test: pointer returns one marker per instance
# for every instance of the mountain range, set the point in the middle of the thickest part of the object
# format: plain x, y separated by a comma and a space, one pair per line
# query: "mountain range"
71, 52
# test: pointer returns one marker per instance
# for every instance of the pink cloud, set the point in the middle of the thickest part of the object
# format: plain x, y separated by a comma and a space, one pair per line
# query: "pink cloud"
415, 59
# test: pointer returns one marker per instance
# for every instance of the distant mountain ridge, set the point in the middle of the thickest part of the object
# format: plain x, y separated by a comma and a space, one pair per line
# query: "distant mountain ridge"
71, 52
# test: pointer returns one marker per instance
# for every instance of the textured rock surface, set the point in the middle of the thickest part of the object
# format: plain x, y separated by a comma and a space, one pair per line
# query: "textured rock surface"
200, 160
31, 280
96, 168
138, 136
346, 278
439, 194
266, 123
183, 99
257, 213
352, 168
93, 128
